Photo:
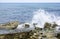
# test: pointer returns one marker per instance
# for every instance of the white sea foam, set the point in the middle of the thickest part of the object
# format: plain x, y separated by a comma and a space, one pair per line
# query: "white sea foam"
41, 16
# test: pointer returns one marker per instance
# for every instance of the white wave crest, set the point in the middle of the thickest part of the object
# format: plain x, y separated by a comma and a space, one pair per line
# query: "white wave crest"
42, 16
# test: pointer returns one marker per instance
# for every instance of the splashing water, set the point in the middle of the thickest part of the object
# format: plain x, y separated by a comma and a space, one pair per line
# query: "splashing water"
42, 16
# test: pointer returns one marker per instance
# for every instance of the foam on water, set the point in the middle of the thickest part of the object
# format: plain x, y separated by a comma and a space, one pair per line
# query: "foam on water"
41, 16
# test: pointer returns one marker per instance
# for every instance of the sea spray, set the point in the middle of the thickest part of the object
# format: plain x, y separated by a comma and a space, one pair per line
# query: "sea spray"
41, 16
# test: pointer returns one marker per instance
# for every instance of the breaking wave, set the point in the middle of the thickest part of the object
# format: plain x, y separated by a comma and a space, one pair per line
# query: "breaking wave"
41, 16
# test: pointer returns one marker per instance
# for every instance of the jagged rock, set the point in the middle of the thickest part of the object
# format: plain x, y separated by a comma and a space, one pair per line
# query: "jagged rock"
26, 25
37, 33
47, 25
54, 25
34, 34
9, 25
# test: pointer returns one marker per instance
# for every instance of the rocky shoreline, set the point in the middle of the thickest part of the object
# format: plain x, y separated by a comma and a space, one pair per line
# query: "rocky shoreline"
37, 33
34, 34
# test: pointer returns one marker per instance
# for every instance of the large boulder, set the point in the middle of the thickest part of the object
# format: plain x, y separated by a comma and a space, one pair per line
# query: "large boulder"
47, 25
9, 25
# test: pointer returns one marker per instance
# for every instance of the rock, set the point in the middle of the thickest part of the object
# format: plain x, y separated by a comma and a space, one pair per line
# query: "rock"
47, 25
26, 25
58, 35
2, 36
37, 33
9, 25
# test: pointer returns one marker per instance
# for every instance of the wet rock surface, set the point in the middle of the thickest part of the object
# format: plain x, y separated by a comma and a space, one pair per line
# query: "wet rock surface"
37, 33
9, 25
33, 34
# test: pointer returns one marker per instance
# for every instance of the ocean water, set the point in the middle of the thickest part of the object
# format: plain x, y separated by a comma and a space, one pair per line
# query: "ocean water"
24, 12
30, 12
